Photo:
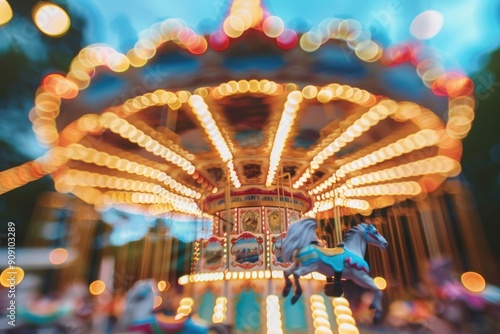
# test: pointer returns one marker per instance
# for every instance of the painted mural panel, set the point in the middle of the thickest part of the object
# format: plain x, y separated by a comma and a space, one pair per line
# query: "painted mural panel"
250, 220
247, 252
275, 219
253, 171
212, 254
277, 261
293, 215
227, 223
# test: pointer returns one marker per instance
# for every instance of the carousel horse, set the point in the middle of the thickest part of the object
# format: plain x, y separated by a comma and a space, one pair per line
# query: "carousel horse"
458, 306
444, 305
139, 316
301, 247
38, 310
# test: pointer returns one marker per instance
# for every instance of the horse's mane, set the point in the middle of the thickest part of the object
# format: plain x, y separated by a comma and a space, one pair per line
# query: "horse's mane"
350, 233
300, 234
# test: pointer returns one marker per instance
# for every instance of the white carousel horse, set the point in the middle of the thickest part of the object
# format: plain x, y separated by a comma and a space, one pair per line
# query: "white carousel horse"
300, 246
139, 316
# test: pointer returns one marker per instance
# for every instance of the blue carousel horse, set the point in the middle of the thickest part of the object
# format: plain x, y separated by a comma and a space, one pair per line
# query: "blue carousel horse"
71, 307
139, 316
300, 246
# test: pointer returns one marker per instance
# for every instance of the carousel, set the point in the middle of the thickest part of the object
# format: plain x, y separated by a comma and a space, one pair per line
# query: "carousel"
252, 128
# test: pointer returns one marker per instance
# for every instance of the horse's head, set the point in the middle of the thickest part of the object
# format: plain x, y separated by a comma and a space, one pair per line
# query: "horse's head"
141, 294
373, 237
139, 303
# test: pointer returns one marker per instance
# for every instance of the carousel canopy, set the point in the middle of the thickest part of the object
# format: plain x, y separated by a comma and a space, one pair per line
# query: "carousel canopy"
347, 115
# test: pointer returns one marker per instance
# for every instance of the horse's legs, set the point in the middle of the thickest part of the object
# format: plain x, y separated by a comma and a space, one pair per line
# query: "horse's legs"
301, 271
288, 283
298, 289
333, 286
364, 280
297, 271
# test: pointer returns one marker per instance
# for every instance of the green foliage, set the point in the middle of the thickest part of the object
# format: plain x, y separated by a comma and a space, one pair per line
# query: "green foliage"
480, 166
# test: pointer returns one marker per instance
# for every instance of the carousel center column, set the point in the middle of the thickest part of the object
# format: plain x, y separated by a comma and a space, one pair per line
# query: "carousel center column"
246, 247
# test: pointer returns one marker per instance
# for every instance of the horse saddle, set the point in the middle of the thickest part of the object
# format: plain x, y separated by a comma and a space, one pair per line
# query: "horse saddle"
333, 287
331, 251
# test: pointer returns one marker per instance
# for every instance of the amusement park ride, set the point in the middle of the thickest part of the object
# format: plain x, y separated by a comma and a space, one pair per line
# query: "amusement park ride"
255, 127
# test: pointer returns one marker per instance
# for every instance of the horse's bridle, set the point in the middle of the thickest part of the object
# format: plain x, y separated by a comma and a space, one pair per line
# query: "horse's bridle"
368, 230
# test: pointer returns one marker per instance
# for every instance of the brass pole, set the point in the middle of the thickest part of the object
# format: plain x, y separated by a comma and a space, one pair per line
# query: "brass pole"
338, 223
229, 218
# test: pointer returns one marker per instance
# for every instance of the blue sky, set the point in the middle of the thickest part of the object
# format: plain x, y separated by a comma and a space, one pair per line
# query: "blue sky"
129, 227
470, 28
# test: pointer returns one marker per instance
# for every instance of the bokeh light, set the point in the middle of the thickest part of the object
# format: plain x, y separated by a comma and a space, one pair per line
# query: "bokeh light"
341, 309
162, 285
52, 20
340, 301
158, 301
11, 276
5, 12
97, 287
58, 256
197, 44
346, 328
234, 26
345, 319
310, 41
323, 330
368, 51
60, 86
427, 24
473, 281
118, 62
380, 282
273, 26
287, 39
219, 40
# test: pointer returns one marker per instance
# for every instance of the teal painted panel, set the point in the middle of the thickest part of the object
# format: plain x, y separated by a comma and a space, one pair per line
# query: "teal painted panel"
207, 304
248, 313
329, 309
294, 316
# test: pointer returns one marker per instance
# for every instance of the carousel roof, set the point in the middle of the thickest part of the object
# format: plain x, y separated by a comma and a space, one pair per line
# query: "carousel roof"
173, 121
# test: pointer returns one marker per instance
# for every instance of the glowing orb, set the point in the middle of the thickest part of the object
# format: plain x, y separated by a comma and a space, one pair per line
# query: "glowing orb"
380, 282
323, 330
52, 20
273, 26
348, 329
473, 281
162, 285
158, 301
340, 301
11, 276
342, 310
97, 287
427, 24
58, 256
5, 12
345, 319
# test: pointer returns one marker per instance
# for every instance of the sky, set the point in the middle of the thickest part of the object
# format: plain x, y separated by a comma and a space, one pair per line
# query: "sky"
470, 29
129, 227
